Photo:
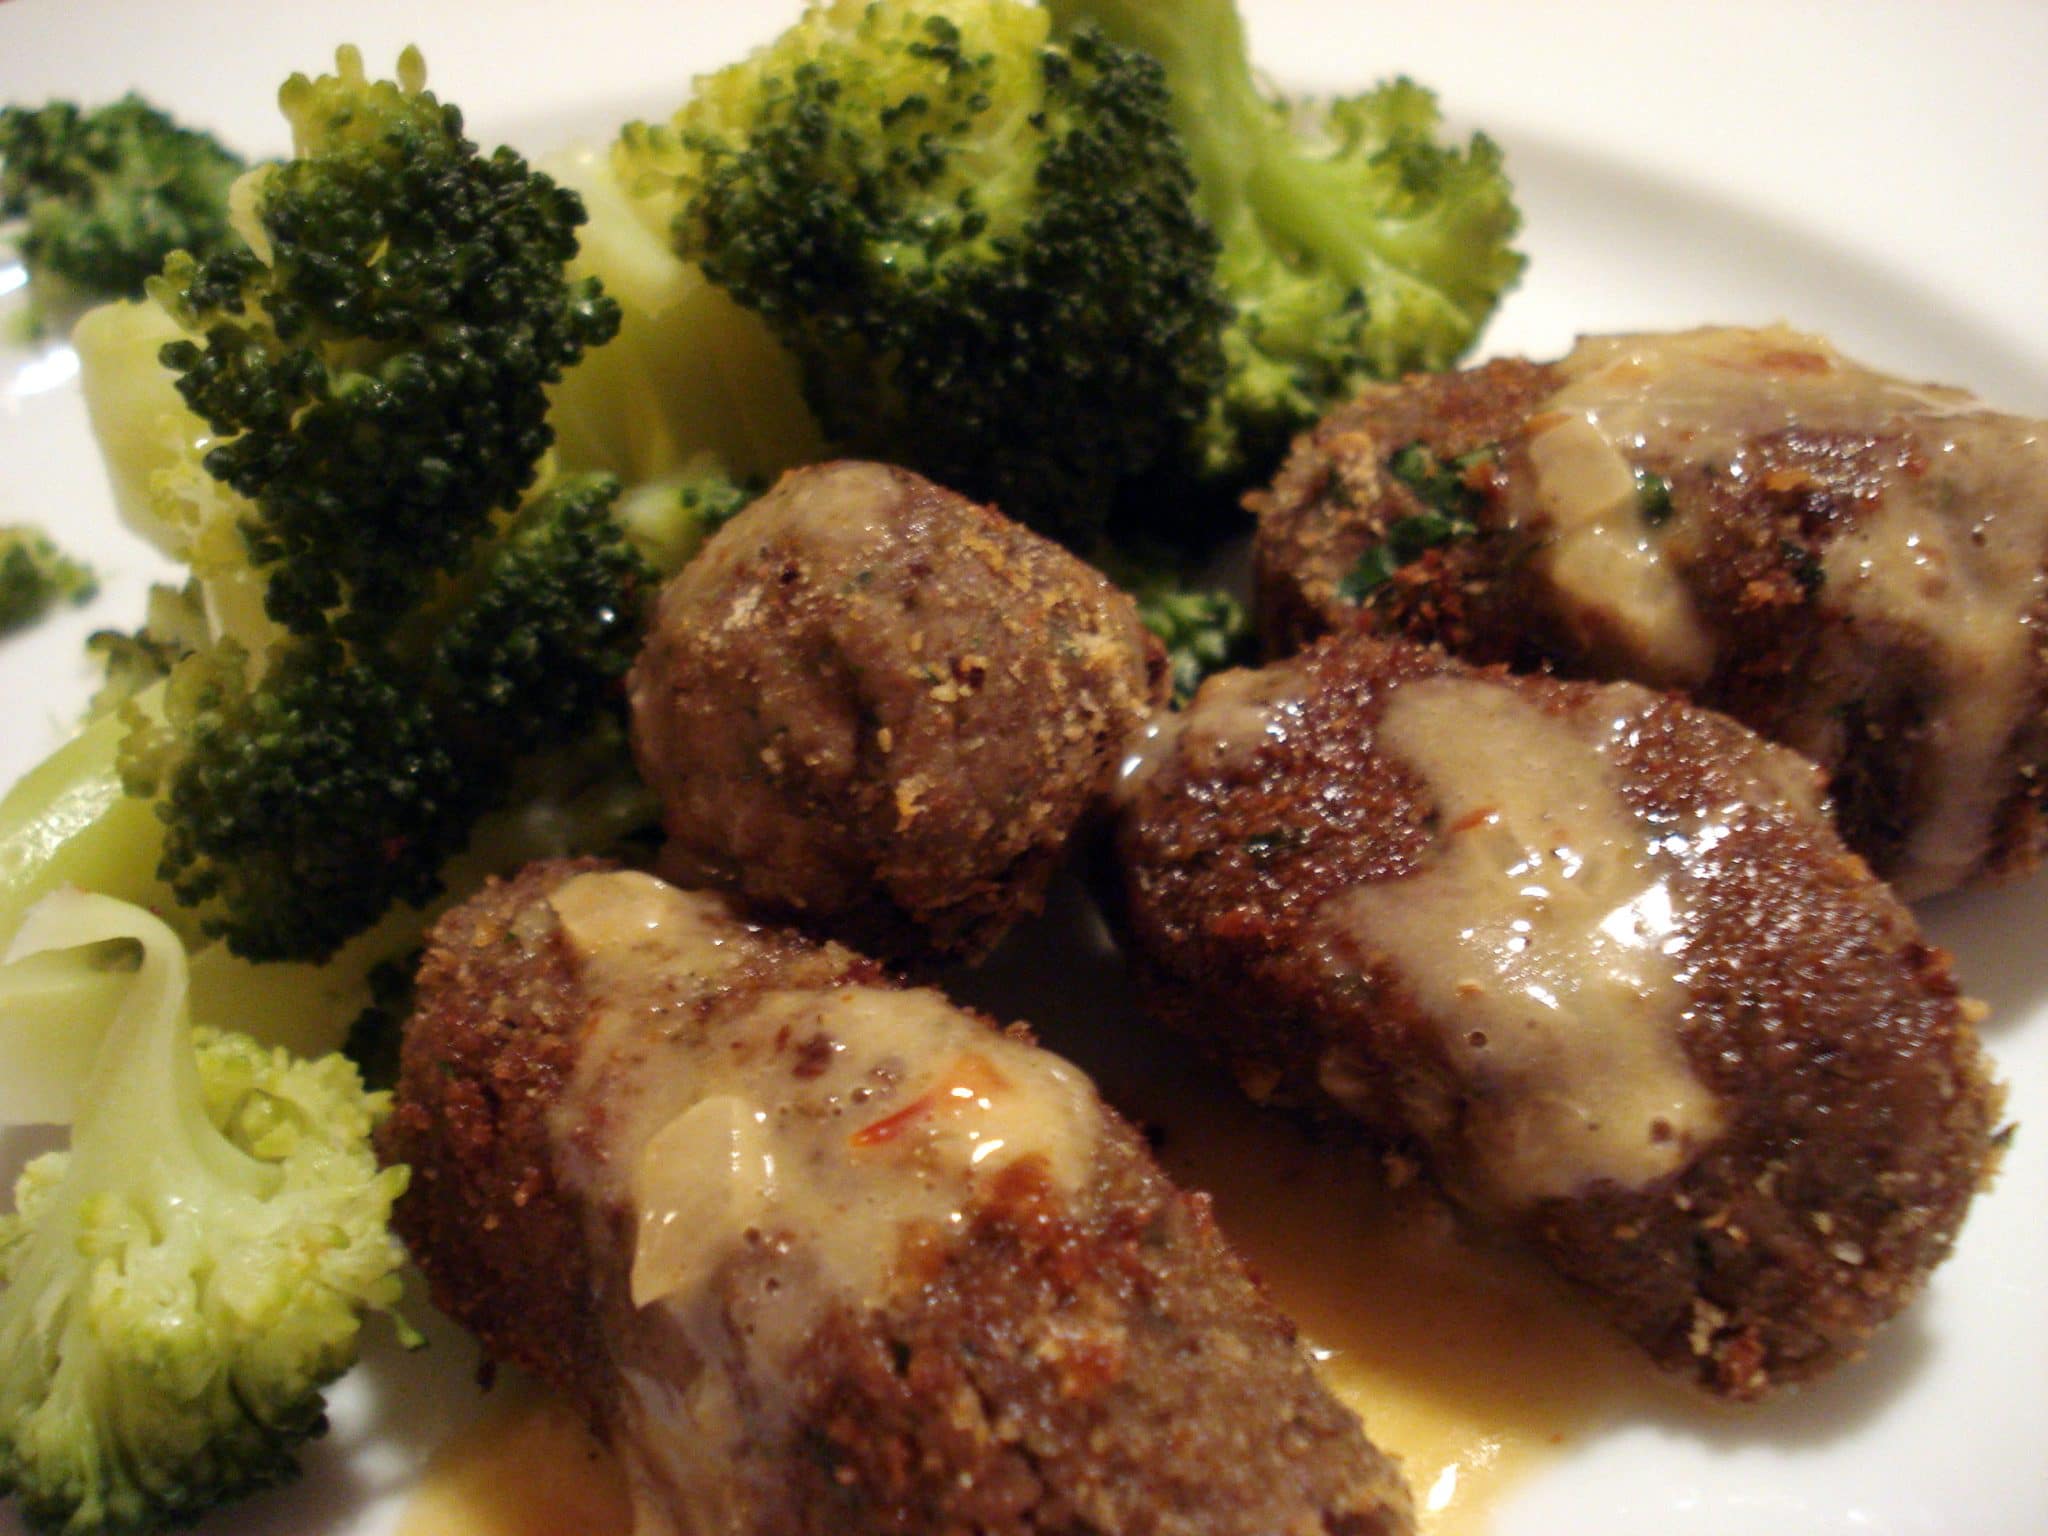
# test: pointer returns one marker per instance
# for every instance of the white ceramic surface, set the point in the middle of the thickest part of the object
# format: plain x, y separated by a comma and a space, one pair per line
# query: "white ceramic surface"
1877, 171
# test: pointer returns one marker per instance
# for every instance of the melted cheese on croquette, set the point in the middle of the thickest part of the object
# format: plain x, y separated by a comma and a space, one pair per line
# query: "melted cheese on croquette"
1462, 1360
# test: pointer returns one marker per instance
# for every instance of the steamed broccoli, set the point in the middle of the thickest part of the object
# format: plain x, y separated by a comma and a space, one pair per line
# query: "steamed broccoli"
343, 442
375, 359
1070, 259
185, 1280
174, 625
1203, 627
980, 243
1355, 246
669, 519
694, 382
35, 575
107, 194
1204, 630
301, 802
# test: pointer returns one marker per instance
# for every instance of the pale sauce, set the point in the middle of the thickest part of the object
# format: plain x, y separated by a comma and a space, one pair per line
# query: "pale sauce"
1540, 939
899, 1103
1235, 715
1951, 544
778, 1132
528, 1466
1465, 1361
1601, 555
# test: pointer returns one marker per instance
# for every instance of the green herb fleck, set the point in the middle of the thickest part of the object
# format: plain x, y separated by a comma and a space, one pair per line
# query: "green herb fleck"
1441, 486
1803, 564
1450, 503
1653, 498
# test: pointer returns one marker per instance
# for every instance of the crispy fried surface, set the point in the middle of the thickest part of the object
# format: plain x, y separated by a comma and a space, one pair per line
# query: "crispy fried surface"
878, 708
1334, 499
1096, 1364
1859, 1116
489, 1049
1792, 660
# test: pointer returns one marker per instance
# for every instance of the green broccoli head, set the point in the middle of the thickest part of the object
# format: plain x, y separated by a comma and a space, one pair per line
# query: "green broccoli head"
535, 649
1355, 245
302, 801
182, 1283
341, 436
107, 194
174, 625
376, 359
35, 576
1203, 627
668, 519
299, 805
980, 245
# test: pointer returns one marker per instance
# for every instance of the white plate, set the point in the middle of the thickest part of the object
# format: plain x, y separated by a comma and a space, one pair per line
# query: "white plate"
1878, 172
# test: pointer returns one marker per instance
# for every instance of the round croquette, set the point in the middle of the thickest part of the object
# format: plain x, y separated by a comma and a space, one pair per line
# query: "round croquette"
1073, 1355
874, 707
1822, 1113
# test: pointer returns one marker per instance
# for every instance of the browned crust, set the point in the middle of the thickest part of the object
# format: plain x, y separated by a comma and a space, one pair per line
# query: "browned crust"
485, 1057
1855, 696
1333, 500
1119, 1373
889, 741
1861, 1115
1094, 1365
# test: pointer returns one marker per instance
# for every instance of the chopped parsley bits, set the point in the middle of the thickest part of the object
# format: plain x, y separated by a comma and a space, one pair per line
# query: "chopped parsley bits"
1653, 498
1450, 501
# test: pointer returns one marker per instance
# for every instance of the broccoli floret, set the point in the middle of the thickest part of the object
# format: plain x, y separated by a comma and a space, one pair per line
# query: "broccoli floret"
35, 576
669, 519
376, 1034
301, 803
343, 441
1355, 245
1203, 627
70, 822
1204, 630
980, 244
107, 194
174, 625
377, 358
298, 807
182, 1284
693, 379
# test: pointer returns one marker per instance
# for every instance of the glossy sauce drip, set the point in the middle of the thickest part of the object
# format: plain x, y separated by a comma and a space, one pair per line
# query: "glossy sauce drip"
775, 1150
1951, 544
1540, 939
1621, 595
1232, 717
528, 1466
1465, 1361
1960, 551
